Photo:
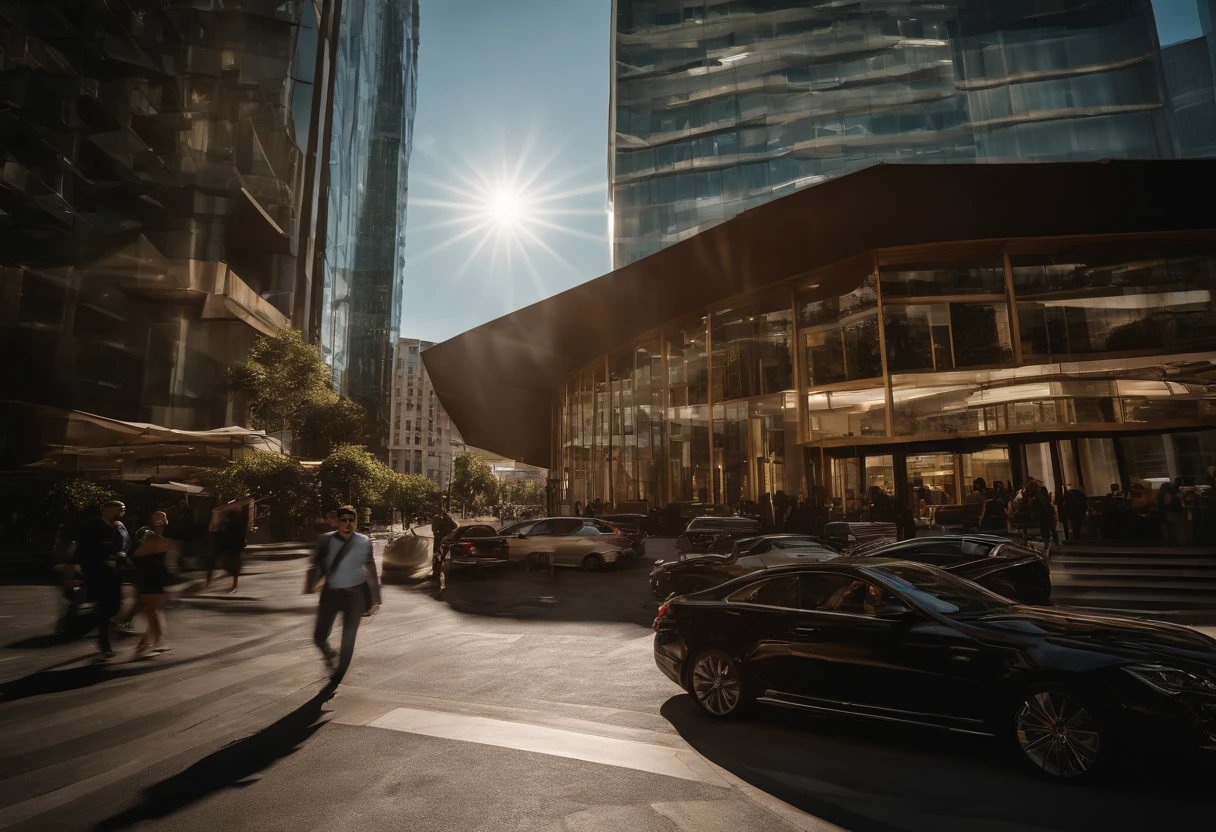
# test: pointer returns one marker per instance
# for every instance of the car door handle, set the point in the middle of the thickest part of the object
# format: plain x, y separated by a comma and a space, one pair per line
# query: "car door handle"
806, 631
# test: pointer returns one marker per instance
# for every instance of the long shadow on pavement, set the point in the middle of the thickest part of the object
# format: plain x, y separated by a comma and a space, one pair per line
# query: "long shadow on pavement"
231, 766
869, 778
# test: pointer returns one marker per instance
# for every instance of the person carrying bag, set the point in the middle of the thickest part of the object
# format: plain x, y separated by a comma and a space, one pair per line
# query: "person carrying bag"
343, 570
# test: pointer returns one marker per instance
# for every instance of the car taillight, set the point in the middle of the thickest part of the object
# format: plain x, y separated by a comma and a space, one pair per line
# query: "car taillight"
467, 545
662, 613
620, 541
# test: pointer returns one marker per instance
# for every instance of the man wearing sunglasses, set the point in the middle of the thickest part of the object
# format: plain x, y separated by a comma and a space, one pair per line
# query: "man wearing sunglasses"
343, 561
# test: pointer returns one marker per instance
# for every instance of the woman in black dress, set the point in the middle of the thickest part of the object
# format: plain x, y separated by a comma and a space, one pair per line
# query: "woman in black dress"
151, 574
228, 544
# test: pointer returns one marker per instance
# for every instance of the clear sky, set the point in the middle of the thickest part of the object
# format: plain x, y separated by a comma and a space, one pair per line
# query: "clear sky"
497, 80
508, 189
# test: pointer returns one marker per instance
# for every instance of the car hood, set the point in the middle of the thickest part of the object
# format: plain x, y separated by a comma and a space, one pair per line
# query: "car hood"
1128, 637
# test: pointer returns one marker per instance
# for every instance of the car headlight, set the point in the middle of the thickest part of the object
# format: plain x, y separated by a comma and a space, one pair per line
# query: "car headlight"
1171, 680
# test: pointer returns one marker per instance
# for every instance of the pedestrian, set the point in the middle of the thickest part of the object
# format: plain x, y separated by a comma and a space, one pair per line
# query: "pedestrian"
151, 575
441, 526
331, 520
101, 543
1076, 507
1044, 514
344, 561
578, 508
230, 524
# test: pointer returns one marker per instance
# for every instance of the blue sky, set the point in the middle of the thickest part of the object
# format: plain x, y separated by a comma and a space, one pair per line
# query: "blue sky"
498, 78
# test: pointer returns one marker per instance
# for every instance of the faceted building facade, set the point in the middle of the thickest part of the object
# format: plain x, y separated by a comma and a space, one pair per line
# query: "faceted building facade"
356, 316
154, 166
720, 106
423, 440
1054, 321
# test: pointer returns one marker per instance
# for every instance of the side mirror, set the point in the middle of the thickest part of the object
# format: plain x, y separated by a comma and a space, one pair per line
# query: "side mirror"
895, 610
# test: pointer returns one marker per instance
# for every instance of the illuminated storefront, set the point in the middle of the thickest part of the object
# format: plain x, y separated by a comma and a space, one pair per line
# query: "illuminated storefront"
1073, 341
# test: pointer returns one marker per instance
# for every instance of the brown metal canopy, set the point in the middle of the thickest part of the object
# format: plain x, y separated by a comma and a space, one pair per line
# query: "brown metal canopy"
496, 380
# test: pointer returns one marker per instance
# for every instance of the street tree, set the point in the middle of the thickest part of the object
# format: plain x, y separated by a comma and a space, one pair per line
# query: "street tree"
352, 476
473, 483
413, 495
289, 387
522, 493
282, 480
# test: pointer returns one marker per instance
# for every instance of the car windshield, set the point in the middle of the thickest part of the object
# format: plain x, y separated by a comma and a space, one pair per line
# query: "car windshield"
939, 591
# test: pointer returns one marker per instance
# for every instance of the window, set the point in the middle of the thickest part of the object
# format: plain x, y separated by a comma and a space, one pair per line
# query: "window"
567, 526
544, 527
840, 593
480, 531
776, 592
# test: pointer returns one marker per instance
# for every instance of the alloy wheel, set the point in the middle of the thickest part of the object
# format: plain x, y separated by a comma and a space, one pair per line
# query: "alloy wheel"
716, 684
592, 563
1058, 734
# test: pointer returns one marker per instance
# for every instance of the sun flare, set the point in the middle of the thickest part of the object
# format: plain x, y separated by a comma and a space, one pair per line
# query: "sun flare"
504, 216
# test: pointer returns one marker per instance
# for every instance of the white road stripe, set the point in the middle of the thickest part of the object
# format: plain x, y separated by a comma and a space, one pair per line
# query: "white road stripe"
640, 756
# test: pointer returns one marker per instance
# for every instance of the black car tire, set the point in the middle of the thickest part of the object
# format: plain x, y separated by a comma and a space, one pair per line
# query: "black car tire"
1060, 733
717, 685
592, 563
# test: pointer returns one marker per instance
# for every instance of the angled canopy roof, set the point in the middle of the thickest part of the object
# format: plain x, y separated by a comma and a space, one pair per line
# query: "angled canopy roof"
496, 380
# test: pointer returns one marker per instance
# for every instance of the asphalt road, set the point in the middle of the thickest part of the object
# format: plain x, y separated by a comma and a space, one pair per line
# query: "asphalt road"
528, 701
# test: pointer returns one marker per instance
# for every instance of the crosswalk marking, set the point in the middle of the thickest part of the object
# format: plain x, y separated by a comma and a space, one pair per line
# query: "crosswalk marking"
684, 764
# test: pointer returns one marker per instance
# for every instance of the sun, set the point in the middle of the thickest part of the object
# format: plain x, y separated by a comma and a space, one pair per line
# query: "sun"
504, 213
507, 207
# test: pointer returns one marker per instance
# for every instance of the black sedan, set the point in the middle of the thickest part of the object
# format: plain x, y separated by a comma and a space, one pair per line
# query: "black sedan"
894, 641
996, 563
693, 573
703, 532
470, 548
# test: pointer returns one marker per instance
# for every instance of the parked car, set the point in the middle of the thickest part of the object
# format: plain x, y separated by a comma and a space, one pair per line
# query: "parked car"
895, 641
581, 543
632, 526
702, 532
693, 573
996, 563
469, 548
842, 534
783, 541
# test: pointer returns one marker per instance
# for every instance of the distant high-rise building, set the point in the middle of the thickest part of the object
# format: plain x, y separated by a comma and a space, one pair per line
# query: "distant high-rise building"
357, 286
422, 438
718, 106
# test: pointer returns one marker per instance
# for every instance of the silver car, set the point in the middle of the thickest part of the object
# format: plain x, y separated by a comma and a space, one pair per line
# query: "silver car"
572, 542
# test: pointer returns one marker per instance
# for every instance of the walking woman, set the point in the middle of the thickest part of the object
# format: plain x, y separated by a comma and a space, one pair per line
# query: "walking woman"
230, 525
151, 575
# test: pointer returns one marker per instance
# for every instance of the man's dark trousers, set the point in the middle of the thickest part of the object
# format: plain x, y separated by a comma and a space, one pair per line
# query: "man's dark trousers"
352, 604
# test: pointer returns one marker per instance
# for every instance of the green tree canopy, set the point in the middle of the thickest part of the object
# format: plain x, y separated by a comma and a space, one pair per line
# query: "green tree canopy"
281, 480
289, 387
522, 493
352, 476
473, 482
412, 495
66, 500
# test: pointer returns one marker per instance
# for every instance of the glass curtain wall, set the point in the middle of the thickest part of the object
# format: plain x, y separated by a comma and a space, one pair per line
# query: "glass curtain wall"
710, 411
721, 106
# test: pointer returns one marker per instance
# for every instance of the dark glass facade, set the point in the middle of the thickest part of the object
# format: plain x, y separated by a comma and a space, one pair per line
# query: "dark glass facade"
154, 158
721, 106
1081, 363
374, 97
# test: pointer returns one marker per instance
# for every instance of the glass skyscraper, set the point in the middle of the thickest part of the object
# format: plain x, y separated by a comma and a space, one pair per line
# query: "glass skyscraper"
719, 106
375, 82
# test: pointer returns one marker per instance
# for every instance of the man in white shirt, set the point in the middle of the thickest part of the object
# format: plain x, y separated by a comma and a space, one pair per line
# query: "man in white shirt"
344, 559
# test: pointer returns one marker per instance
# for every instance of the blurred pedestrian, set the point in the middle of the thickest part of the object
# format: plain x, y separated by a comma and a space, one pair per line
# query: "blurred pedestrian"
230, 526
442, 525
151, 575
343, 560
1075, 509
100, 545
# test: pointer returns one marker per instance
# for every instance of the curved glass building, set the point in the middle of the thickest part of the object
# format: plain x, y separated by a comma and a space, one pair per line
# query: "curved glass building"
910, 328
719, 105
